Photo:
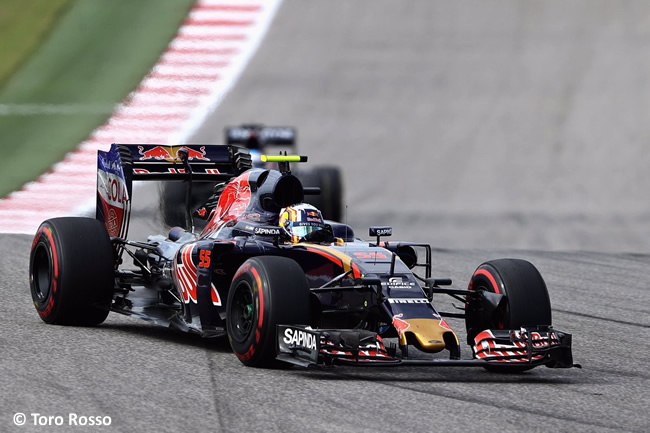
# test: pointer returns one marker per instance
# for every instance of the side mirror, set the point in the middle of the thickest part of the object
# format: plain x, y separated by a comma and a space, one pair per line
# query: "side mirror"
380, 231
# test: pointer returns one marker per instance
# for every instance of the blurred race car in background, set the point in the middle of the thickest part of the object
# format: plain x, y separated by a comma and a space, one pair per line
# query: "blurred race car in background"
259, 139
284, 284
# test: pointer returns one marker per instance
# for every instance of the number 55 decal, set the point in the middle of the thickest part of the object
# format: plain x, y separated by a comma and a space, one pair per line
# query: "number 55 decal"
204, 258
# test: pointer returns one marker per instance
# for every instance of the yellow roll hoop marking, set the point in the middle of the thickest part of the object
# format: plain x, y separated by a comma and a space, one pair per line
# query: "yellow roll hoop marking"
280, 158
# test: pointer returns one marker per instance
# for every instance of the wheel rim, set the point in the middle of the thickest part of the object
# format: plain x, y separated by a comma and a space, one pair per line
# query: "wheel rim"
242, 311
42, 273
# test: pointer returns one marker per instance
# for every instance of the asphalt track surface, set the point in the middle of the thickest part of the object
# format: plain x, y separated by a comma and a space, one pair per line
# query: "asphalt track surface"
489, 129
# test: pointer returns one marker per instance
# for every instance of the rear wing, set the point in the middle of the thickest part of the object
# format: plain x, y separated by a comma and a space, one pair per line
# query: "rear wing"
209, 162
124, 163
259, 136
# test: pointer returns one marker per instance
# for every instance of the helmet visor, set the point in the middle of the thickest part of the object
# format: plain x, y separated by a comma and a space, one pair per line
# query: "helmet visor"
300, 230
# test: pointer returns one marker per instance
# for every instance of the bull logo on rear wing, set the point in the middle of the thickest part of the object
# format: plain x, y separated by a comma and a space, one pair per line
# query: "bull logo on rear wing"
170, 153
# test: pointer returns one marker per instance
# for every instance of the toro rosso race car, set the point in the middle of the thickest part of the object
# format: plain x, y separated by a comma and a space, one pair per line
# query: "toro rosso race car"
284, 285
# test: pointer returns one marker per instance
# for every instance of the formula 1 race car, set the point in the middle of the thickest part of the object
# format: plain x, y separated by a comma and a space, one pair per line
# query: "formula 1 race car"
259, 139
283, 284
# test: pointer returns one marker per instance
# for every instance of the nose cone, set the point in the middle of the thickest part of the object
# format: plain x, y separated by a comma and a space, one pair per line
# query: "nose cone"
427, 334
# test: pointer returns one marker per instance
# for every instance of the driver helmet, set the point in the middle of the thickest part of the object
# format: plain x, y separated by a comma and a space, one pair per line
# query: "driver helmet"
301, 220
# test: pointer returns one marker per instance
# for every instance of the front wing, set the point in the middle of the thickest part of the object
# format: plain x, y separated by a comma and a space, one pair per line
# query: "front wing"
307, 347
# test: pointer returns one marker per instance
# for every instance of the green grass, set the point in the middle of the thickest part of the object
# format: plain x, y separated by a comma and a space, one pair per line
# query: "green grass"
23, 25
97, 52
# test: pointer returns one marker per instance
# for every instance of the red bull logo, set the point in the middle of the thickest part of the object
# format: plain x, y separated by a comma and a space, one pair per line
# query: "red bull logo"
195, 154
159, 153
400, 325
233, 202
311, 213
168, 153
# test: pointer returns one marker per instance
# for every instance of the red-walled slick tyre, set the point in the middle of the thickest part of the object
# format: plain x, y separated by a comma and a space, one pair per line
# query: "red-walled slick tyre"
266, 291
527, 301
71, 271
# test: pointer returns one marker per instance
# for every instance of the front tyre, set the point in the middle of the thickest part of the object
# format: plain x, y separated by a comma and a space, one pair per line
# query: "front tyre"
71, 271
526, 299
266, 291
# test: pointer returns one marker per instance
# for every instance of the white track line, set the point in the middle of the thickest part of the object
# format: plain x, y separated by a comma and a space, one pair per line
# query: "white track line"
200, 66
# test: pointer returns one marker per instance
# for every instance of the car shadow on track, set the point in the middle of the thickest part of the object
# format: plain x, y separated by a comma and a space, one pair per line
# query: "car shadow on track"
145, 330
444, 374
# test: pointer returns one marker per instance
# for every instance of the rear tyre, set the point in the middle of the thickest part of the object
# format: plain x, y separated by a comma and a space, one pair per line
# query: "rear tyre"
527, 301
71, 271
329, 202
265, 292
